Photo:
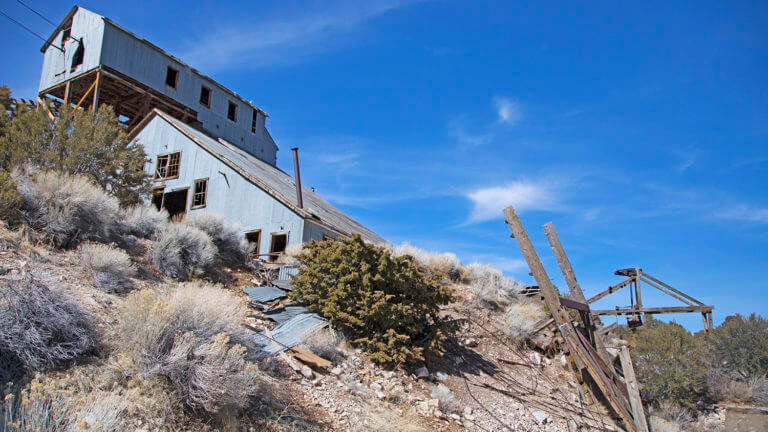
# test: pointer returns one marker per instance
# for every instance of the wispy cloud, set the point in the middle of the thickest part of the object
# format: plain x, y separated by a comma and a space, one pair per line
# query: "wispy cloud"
746, 213
525, 195
267, 41
468, 140
508, 111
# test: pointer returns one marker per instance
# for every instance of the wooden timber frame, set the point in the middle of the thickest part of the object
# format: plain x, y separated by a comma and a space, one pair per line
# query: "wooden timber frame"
584, 355
634, 277
130, 99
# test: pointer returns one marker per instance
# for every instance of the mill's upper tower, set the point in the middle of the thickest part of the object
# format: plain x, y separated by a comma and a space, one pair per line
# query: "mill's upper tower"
91, 60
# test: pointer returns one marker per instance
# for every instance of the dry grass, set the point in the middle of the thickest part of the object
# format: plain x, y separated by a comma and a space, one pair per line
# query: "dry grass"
446, 264
66, 209
519, 319
111, 267
181, 251
674, 414
490, 288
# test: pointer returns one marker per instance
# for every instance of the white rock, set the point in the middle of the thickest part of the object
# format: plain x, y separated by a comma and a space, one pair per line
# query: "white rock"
540, 416
441, 376
380, 394
376, 386
535, 358
336, 371
307, 372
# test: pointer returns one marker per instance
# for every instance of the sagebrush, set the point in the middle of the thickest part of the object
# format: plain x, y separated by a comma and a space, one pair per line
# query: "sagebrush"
67, 209
187, 336
519, 319
489, 286
389, 304
445, 264
41, 329
230, 242
181, 250
111, 268
143, 221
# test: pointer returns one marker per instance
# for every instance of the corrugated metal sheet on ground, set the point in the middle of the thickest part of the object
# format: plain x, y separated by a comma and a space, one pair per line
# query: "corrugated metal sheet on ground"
283, 284
280, 315
264, 293
286, 272
289, 334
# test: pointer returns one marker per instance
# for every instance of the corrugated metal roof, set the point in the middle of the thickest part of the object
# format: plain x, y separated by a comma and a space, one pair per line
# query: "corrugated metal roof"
289, 334
264, 293
284, 314
273, 181
283, 284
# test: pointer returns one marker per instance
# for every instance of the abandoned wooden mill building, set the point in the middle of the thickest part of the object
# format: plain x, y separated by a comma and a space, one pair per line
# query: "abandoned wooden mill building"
209, 148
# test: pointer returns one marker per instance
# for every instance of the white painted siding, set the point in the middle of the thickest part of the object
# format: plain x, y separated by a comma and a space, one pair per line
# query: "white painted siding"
87, 26
229, 193
313, 231
148, 65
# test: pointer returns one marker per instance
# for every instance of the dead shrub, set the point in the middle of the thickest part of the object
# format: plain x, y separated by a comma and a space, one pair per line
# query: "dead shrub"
490, 288
67, 209
182, 250
519, 319
143, 221
675, 414
448, 403
230, 241
445, 264
759, 387
325, 343
40, 328
110, 267
10, 200
186, 336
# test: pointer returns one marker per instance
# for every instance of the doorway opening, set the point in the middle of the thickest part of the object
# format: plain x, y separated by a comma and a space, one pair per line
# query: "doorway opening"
176, 204
277, 246
254, 238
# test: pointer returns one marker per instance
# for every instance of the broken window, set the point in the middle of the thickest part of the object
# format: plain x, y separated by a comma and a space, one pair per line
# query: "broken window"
65, 36
254, 238
232, 111
175, 203
77, 58
278, 245
205, 96
253, 121
171, 77
168, 166
199, 194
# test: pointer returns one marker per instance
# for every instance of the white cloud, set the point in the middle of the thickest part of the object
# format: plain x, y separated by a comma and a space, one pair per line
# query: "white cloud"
268, 40
524, 195
469, 140
746, 213
508, 111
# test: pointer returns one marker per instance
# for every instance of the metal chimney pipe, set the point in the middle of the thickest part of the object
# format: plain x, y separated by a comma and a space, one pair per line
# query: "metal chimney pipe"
297, 176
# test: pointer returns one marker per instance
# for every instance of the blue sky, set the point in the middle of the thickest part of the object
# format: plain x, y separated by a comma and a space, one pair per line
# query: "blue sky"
640, 129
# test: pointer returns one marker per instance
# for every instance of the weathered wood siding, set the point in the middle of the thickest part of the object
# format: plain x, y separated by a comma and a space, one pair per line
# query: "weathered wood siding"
87, 26
229, 193
148, 65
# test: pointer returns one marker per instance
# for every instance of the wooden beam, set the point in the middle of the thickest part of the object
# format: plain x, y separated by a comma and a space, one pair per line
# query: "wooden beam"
41, 104
610, 290
542, 279
603, 330
564, 263
574, 304
633, 389
66, 95
95, 105
638, 294
666, 291
672, 289
653, 310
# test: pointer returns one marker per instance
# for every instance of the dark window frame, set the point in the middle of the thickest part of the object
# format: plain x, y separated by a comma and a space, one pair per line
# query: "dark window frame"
204, 89
256, 249
232, 113
175, 71
203, 193
254, 121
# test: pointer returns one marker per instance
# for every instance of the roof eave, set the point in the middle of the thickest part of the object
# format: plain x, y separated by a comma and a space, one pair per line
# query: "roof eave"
53, 35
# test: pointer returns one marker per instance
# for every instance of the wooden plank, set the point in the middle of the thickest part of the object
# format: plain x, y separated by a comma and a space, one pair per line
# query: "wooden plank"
709, 319
574, 304
599, 377
96, 90
564, 263
666, 291
309, 358
66, 95
41, 104
542, 279
638, 413
653, 310
638, 295
603, 330
610, 290
672, 289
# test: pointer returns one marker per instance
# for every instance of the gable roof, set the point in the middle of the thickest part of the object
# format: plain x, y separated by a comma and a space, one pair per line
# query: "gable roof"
270, 179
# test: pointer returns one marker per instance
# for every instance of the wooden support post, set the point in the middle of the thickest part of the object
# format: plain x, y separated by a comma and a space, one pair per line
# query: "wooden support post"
633, 389
709, 319
542, 279
42, 105
66, 95
564, 263
704, 320
638, 295
96, 89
